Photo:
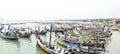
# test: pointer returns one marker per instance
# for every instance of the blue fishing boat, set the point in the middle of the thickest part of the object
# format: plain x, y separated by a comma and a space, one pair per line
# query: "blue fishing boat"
93, 48
66, 41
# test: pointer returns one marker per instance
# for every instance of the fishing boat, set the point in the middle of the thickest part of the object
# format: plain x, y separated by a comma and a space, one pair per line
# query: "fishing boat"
50, 49
67, 27
68, 40
26, 32
39, 30
25, 35
94, 47
76, 33
92, 50
10, 33
8, 36
61, 42
56, 28
102, 34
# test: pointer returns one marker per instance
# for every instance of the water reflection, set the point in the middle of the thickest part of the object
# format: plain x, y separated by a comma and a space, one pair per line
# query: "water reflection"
8, 46
21, 46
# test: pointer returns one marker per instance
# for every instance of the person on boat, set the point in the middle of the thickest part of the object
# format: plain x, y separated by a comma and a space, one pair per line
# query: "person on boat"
103, 46
45, 27
7, 33
69, 34
9, 26
52, 47
103, 27
65, 34
42, 31
62, 32
89, 40
14, 34
110, 33
38, 29
66, 51
11, 33
62, 36
56, 34
69, 48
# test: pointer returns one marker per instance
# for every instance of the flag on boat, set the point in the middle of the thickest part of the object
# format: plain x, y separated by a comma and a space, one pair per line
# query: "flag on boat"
50, 27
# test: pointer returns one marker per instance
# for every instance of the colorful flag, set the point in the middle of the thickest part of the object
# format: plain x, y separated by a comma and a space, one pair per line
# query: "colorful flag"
50, 27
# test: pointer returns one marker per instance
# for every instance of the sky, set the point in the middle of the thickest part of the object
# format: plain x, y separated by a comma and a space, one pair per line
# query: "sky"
58, 9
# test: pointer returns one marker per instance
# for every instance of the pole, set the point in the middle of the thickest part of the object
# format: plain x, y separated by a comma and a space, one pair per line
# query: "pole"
50, 39
50, 34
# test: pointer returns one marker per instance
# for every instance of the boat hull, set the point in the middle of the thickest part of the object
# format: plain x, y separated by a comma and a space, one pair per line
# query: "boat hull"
39, 32
92, 50
9, 37
44, 47
25, 35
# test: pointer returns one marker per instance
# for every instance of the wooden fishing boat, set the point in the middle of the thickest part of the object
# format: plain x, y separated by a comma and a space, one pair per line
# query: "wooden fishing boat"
68, 41
61, 42
101, 34
48, 49
92, 50
25, 35
39, 32
26, 32
9, 37
55, 28
67, 27
76, 33
43, 32
94, 45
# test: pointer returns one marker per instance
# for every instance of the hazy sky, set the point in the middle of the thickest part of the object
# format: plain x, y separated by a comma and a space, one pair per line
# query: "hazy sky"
58, 9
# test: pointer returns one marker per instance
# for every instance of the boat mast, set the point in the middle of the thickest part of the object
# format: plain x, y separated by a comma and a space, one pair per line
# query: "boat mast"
97, 40
50, 34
